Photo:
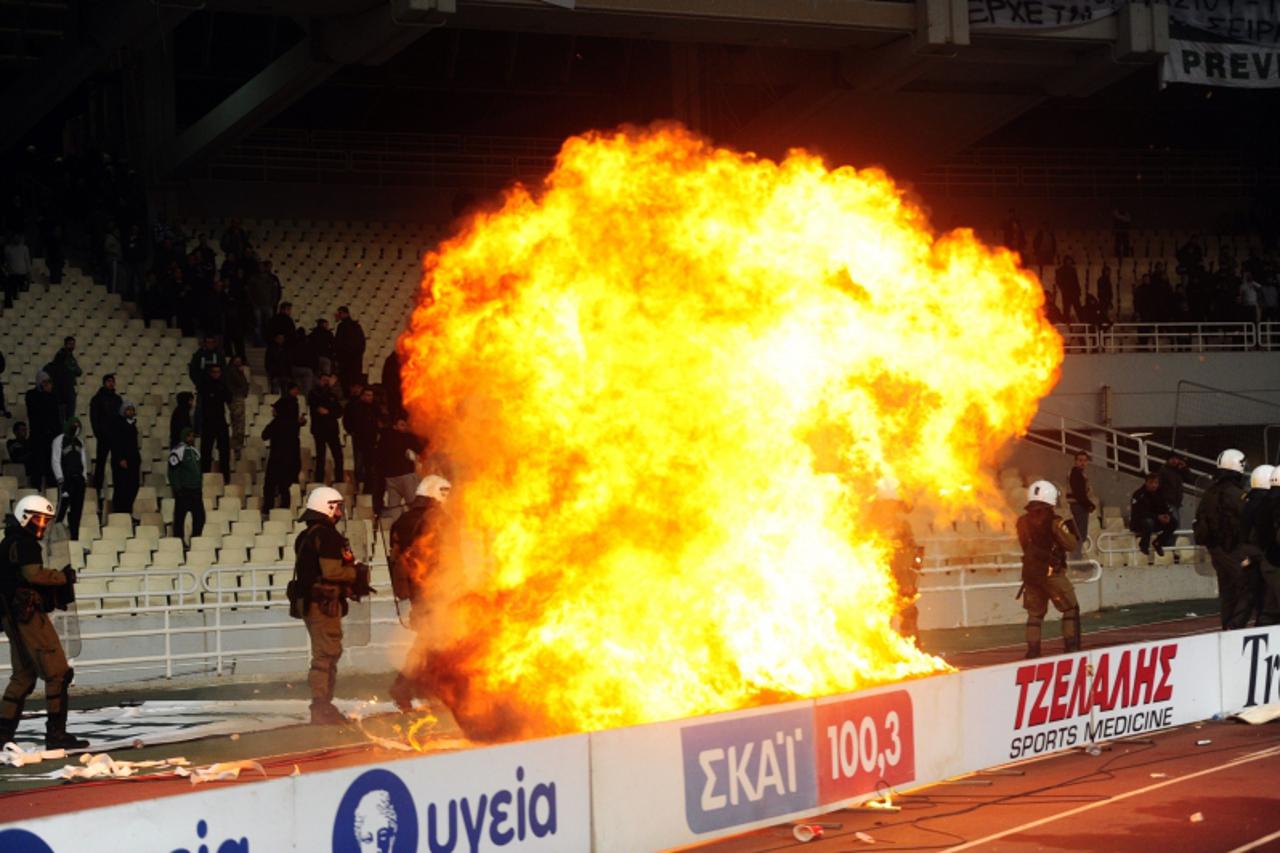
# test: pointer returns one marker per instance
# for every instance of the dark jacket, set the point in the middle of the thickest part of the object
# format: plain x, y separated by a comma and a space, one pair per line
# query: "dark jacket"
322, 343
1045, 542
200, 362
1171, 486
181, 417
283, 432
1146, 506
392, 457
349, 342
1079, 489
277, 361
104, 406
391, 381
214, 400
281, 324
324, 398
1218, 518
124, 443
42, 415
361, 421
301, 353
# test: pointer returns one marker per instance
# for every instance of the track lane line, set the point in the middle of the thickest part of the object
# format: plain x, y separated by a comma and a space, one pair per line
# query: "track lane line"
1236, 762
1256, 843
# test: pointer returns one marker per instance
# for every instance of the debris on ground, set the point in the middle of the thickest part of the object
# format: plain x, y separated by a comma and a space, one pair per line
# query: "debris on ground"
1259, 714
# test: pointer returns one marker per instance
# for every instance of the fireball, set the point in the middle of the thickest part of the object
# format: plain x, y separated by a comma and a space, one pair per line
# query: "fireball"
667, 382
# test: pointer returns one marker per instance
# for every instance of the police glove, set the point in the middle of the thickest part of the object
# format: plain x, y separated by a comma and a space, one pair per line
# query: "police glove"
361, 587
70, 574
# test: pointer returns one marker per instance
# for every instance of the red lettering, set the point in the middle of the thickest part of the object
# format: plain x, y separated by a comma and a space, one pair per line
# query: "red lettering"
1040, 711
1025, 675
1059, 709
1101, 681
1164, 690
1079, 703
1120, 689
1144, 676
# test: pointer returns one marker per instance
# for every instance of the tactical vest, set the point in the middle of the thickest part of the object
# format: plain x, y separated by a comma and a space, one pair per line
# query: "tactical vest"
1042, 553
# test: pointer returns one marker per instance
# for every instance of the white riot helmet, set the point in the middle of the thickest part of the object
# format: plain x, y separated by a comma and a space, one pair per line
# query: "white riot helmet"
434, 486
35, 513
1262, 476
1042, 491
326, 501
1231, 460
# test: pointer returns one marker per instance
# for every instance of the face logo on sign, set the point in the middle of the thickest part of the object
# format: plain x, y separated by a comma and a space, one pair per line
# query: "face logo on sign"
376, 815
21, 841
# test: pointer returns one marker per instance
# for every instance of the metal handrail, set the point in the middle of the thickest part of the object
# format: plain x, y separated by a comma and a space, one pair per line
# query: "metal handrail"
1178, 337
1095, 575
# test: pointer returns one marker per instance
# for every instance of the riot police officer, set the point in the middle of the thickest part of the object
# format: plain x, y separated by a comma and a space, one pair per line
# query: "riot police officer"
1046, 540
28, 592
417, 542
325, 575
1219, 527
888, 514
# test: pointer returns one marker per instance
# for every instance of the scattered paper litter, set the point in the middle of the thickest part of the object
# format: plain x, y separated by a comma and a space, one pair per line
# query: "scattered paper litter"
1204, 742
1259, 714
15, 756
103, 766
863, 837
1197, 817
223, 771
1159, 775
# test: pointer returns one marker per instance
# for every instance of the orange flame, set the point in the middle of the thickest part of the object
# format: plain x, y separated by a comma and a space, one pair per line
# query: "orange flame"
669, 381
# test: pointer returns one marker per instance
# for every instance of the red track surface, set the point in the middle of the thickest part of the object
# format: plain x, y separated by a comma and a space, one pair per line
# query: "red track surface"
1121, 805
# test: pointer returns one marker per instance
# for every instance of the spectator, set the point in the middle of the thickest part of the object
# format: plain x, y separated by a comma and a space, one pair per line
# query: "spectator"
279, 368
1015, 238
259, 287
1250, 299
203, 358
102, 413
1069, 286
186, 480
396, 449
303, 362
19, 450
326, 409
323, 346
17, 267
64, 370
1150, 515
349, 347
282, 323
182, 417
1172, 477
42, 412
126, 459
135, 260
284, 459
391, 382
214, 308
54, 256
277, 289
214, 401
235, 241
1106, 294
239, 319
361, 421
67, 458
237, 389
1081, 500
1045, 246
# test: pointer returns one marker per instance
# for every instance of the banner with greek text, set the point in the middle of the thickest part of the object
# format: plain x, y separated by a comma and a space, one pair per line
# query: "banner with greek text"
1038, 14
1253, 21
1220, 64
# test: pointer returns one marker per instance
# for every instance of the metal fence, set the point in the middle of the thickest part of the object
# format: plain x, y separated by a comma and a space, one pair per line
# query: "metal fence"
1168, 337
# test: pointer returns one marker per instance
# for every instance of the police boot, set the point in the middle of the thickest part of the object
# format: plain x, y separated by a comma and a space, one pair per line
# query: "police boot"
326, 714
402, 693
55, 733
9, 728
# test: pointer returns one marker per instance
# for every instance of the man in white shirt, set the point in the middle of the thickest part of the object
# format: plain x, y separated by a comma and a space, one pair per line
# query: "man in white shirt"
17, 267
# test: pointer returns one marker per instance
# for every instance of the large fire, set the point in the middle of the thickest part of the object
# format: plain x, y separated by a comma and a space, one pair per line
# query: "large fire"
669, 381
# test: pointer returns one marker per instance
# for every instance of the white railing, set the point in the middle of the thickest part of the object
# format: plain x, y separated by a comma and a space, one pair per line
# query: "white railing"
1123, 452
1269, 335
1113, 543
1078, 337
964, 587
205, 612
1178, 337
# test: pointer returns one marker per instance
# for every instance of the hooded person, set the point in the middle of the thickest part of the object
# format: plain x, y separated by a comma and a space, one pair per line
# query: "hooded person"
28, 593
325, 575
187, 484
45, 424
418, 542
1046, 540
1219, 528
126, 459
181, 418
102, 413
70, 465
284, 456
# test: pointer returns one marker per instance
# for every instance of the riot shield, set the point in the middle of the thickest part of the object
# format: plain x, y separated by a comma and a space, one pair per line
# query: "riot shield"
67, 624
356, 628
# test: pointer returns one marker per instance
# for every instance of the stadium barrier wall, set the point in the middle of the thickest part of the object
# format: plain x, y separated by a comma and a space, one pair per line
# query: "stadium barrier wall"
689, 781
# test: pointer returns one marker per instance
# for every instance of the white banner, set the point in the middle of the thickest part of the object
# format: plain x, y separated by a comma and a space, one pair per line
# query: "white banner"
1256, 21
1038, 14
1219, 64
1250, 668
